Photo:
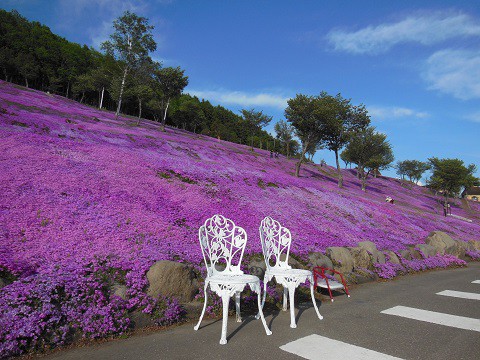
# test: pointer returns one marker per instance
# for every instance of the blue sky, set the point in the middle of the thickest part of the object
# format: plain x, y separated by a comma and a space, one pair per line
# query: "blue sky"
414, 64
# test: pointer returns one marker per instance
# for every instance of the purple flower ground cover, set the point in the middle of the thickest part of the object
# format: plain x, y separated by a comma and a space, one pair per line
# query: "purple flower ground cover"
83, 195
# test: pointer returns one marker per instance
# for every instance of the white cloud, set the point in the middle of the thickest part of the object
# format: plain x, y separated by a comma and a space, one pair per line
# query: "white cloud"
242, 98
475, 117
454, 72
394, 112
424, 29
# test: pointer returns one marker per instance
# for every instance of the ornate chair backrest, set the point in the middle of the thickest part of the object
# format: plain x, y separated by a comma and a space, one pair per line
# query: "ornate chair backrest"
276, 241
223, 244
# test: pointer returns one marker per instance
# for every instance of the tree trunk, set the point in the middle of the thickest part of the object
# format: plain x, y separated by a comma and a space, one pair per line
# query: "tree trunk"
121, 92
364, 179
297, 168
101, 98
68, 89
165, 115
83, 95
26, 82
340, 177
299, 163
139, 109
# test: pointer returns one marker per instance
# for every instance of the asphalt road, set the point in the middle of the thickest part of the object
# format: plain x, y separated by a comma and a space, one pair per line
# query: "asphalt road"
355, 321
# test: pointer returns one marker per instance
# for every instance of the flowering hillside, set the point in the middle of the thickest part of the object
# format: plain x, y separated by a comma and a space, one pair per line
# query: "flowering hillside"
78, 187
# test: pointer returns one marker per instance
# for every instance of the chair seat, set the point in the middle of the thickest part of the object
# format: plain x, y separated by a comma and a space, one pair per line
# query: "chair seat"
240, 279
288, 272
332, 283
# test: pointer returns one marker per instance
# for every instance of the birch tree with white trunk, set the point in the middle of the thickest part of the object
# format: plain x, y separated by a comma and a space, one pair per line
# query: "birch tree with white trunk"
130, 44
169, 83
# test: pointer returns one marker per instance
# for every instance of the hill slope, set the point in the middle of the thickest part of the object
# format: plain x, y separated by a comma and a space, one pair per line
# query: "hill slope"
88, 202
77, 183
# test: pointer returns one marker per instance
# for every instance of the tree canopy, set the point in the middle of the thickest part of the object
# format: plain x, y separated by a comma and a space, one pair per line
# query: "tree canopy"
413, 169
370, 151
303, 114
130, 44
450, 176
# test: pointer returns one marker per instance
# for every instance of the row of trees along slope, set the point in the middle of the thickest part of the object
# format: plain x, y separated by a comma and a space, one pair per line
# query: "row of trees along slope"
122, 78
125, 78
333, 122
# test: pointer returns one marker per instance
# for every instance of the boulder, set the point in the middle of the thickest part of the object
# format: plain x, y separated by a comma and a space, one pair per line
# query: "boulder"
460, 249
414, 253
368, 245
427, 250
392, 257
139, 319
257, 268
475, 244
119, 290
294, 263
377, 256
442, 242
319, 259
169, 278
361, 258
341, 258
405, 254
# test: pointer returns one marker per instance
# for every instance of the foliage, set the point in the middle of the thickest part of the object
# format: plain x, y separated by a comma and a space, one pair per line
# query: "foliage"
302, 113
255, 120
370, 151
339, 119
130, 44
284, 133
32, 55
169, 83
413, 169
450, 176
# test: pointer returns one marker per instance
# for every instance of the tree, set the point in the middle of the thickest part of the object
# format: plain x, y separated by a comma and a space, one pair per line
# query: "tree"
413, 169
27, 66
186, 112
302, 113
451, 175
83, 84
142, 83
284, 133
130, 44
370, 151
339, 119
255, 120
169, 83
345, 156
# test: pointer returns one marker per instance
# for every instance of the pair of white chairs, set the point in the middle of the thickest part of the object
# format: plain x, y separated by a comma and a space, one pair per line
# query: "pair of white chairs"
223, 244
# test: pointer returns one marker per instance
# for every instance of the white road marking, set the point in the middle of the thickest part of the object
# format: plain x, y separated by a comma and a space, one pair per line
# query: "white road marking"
320, 347
476, 282
460, 322
460, 294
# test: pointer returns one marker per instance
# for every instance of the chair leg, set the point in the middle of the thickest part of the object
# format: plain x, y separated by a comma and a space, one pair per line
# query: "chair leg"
291, 293
204, 307
260, 313
237, 306
314, 302
263, 297
285, 301
225, 302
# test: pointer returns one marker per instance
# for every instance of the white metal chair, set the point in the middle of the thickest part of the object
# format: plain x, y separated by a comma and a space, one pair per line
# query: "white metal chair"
276, 241
223, 245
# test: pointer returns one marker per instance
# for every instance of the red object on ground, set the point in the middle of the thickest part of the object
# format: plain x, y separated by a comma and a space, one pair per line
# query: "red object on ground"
319, 273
